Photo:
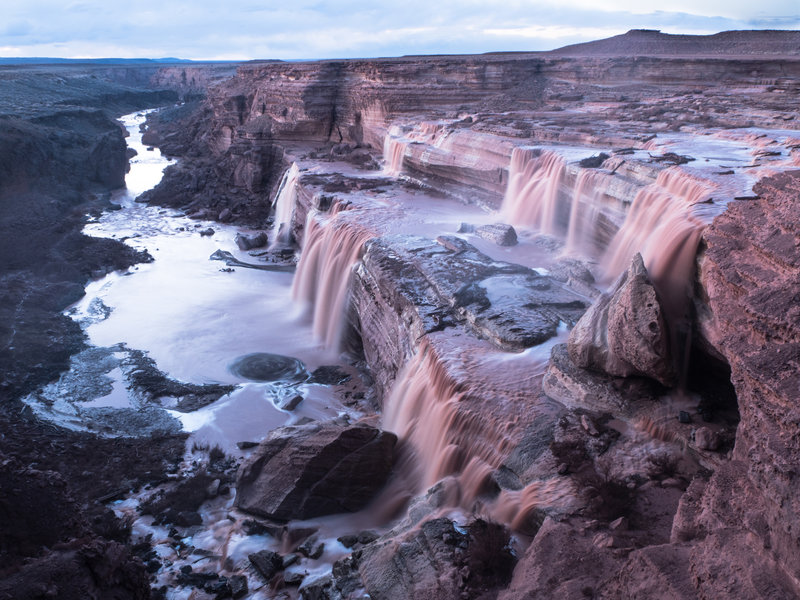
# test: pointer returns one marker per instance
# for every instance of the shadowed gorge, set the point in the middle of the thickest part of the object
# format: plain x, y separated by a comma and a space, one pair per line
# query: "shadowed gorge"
520, 325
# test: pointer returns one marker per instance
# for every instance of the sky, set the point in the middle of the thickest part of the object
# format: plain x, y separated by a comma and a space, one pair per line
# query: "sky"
306, 29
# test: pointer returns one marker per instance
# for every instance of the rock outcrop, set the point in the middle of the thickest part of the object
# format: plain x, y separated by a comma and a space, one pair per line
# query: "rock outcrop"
440, 560
749, 279
438, 284
314, 470
624, 332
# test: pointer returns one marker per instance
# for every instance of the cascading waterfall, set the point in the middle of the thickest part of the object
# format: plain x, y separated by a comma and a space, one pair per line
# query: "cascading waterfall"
534, 185
393, 153
330, 249
284, 207
665, 223
518, 508
590, 186
664, 226
395, 143
441, 437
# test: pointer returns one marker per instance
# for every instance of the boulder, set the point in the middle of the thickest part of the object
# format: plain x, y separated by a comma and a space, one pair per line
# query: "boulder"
579, 388
624, 332
499, 233
438, 560
267, 563
314, 470
706, 439
249, 242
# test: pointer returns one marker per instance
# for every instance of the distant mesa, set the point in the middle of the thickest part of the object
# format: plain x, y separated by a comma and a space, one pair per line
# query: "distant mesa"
651, 42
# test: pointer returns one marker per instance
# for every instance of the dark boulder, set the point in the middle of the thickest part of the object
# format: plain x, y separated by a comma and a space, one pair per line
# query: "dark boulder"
314, 470
263, 366
267, 563
249, 242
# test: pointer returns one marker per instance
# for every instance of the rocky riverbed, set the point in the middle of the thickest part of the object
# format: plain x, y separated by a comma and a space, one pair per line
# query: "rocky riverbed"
522, 326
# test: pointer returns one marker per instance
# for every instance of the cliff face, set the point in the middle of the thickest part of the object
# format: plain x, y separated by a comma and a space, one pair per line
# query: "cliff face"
236, 143
749, 272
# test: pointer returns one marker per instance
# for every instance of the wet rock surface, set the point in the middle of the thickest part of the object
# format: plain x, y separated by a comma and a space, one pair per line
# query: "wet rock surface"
449, 281
249, 242
263, 366
313, 470
230, 260
499, 233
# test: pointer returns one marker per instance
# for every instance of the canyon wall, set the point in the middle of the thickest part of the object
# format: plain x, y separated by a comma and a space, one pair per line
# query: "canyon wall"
238, 141
61, 154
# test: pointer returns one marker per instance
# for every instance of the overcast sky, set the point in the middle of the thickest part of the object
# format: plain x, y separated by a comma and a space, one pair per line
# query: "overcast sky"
297, 29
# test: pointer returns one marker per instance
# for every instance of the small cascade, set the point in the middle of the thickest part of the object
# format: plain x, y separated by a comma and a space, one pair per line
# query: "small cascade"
283, 209
665, 227
590, 187
394, 151
534, 185
440, 436
330, 249
519, 508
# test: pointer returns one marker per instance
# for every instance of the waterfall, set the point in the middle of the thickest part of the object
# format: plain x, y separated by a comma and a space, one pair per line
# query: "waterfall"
661, 224
394, 151
534, 183
284, 207
331, 247
590, 186
441, 436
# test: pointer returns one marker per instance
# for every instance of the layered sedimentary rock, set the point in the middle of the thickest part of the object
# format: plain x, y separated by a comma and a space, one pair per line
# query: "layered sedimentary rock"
749, 281
475, 110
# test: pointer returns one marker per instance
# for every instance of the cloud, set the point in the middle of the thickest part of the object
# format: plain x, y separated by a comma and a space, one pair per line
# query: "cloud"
300, 29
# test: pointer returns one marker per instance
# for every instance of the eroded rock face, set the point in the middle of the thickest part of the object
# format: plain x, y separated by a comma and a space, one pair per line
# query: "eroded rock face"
624, 332
749, 273
315, 470
576, 387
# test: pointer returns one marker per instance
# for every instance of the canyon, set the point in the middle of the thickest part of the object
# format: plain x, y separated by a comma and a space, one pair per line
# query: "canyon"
541, 338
